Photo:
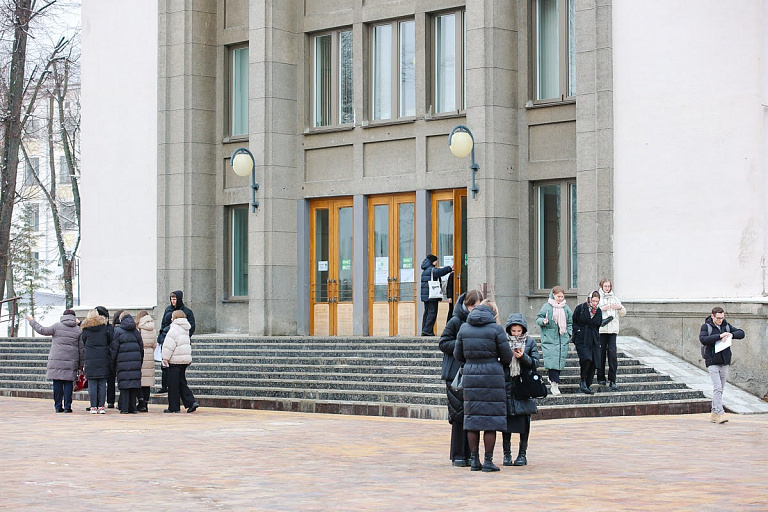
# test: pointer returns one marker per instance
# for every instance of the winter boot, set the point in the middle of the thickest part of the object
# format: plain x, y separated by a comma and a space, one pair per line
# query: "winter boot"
143, 406
506, 440
521, 460
474, 462
488, 465
585, 389
714, 417
555, 388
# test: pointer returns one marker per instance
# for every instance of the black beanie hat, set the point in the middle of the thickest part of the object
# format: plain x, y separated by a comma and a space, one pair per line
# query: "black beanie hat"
69, 312
431, 257
102, 311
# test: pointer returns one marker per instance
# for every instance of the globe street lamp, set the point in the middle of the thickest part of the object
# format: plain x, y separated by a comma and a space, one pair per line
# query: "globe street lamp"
462, 143
242, 163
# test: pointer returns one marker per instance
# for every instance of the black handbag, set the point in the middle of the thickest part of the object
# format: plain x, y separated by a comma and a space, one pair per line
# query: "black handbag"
529, 384
458, 380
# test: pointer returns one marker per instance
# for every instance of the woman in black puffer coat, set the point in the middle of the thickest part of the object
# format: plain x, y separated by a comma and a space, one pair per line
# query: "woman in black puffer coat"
483, 348
96, 338
587, 319
127, 356
519, 410
459, 445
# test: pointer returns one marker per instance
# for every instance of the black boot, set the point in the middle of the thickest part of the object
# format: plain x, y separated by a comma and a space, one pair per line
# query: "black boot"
488, 465
474, 462
584, 388
506, 441
143, 406
521, 460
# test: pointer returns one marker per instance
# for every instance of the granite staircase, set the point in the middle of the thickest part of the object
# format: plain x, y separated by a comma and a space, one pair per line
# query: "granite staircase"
367, 376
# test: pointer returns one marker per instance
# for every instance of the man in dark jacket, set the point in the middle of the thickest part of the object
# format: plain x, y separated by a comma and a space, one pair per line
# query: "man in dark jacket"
429, 272
177, 303
715, 336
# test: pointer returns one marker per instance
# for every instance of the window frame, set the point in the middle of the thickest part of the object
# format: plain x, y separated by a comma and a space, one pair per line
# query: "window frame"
63, 178
566, 67
230, 240
567, 226
395, 92
67, 216
460, 73
231, 93
335, 84
33, 164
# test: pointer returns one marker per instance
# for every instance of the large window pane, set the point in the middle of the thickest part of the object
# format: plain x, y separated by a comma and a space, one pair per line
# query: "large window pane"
381, 252
547, 46
239, 251
549, 236
382, 72
445, 87
346, 253
407, 251
572, 226
239, 91
346, 100
322, 81
321, 255
407, 68
571, 47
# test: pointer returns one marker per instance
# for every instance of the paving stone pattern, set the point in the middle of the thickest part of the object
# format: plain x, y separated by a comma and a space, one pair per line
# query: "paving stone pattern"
229, 459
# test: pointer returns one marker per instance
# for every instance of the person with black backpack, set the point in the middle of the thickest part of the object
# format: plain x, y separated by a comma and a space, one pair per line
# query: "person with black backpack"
715, 337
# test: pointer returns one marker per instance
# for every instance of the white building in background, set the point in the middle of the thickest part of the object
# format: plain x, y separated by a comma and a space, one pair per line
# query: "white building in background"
119, 153
617, 139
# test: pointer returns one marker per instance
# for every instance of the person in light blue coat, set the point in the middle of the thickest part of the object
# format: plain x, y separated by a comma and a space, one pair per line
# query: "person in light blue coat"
555, 319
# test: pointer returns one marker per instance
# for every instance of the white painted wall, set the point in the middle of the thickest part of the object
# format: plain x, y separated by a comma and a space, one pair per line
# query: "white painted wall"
119, 153
690, 187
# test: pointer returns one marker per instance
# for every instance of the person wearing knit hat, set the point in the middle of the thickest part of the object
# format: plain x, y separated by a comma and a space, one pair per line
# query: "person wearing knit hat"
430, 272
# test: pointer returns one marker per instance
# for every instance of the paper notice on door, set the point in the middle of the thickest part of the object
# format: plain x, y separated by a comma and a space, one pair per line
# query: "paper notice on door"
448, 260
406, 275
322, 266
381, 270
723, 343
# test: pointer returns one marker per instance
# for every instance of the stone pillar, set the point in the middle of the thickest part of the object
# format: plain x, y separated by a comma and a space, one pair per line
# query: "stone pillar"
273, 53
186, 167
594, 143
492, 82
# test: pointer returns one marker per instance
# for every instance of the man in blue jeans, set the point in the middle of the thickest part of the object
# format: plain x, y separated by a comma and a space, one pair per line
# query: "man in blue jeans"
715, 337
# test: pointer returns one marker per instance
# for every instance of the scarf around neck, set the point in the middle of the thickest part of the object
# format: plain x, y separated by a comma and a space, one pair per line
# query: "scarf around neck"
514, 365
558, 315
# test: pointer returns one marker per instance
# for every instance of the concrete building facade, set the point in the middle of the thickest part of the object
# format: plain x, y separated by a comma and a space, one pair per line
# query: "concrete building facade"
609, 144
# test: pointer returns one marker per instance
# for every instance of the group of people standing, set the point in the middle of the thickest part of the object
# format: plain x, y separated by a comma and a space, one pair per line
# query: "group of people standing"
121, 352
492, 357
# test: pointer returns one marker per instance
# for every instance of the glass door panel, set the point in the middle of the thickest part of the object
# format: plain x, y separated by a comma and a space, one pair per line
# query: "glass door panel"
405, 297
381, 279
331, 278
449, 244
444, 253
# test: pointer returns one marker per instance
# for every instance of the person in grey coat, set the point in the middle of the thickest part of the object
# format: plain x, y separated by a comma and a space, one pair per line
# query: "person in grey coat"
519, 408
482, 346
65, 358
127, 357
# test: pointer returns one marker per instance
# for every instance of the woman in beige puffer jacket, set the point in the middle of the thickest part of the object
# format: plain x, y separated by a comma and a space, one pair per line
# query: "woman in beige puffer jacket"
177, 356
146, 326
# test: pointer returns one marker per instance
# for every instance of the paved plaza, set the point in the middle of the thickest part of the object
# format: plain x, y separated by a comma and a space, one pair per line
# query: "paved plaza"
224, 459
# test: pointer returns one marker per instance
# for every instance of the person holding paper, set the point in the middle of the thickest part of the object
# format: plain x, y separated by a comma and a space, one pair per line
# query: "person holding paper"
430, 272
716, 336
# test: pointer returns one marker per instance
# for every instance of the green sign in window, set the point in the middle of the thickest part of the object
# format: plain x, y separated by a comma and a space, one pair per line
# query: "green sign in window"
407, 263
346, 264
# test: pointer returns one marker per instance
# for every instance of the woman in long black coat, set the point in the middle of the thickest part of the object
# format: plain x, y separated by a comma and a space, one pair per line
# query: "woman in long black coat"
519, 410
459, 445
587, 319
96, 338
127, 356
482, 346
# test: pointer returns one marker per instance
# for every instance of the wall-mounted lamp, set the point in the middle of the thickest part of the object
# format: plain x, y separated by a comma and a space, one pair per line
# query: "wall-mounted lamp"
242, 163
462, 143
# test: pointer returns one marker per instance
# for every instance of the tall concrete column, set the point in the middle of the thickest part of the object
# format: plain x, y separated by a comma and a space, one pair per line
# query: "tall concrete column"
186, 227
594, 142
492, 217
272, 110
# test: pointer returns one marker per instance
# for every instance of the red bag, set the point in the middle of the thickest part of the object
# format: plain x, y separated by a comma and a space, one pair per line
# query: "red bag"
81, 383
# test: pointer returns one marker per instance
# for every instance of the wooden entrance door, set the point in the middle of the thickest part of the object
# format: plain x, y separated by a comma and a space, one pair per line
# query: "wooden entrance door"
393, 270
449, 243
331, 253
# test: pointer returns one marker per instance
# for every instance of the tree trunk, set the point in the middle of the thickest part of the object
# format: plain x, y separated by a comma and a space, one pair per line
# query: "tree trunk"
12, 129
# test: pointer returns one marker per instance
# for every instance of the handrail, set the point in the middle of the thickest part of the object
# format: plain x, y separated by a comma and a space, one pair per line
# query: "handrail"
12, 315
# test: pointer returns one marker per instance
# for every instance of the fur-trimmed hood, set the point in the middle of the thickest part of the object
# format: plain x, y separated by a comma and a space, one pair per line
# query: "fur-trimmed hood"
94, 321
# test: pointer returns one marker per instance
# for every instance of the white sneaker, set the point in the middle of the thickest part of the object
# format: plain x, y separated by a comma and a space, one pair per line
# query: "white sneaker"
554, 388
101, 411
93, 410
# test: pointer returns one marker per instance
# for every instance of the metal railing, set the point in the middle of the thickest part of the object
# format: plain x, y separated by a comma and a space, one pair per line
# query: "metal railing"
12, 314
